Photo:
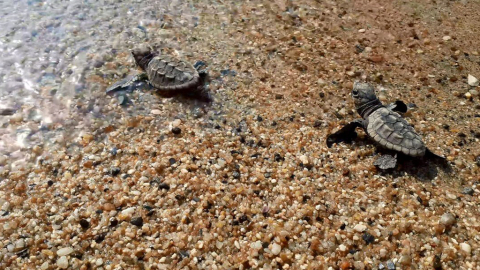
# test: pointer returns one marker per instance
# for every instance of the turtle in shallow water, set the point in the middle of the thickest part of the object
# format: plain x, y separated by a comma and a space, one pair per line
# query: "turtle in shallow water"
384, 125
168, 75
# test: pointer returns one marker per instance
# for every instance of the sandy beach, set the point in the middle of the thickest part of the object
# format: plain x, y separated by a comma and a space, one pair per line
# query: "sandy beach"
246, 181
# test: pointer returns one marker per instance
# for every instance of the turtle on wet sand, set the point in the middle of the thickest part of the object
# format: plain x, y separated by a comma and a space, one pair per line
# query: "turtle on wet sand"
384, 125
168, 75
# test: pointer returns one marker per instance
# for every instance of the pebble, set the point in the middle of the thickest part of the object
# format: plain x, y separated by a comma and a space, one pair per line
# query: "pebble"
155, 112
360, 228
468, 191
472, 81
447, 38
361, 30
447, 219
62, 262
466, 248
84, 223
276, 248
99, 262
64, 251
137, 221
368, 238
390, 265
176, 130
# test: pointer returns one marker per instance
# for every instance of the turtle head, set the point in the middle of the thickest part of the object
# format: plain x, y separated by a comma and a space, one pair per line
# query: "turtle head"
143, 55
363, 93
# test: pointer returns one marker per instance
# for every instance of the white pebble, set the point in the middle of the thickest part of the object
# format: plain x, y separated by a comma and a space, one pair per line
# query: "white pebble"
44, 266
342, 247
447, 38
156, 112
62, 262
304, 159
360, 228
129, 211
466, 248
64, 251
361, 30
276, 248
472, 81
447, 219
99, 262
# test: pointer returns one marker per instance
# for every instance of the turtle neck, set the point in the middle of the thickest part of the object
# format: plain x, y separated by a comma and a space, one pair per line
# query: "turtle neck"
369, 107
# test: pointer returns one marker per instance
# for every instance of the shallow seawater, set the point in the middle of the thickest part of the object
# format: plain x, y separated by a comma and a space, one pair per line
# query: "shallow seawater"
49, 49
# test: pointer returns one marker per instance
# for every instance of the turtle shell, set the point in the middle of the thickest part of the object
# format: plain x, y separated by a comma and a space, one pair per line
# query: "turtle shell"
391, 131
169, 74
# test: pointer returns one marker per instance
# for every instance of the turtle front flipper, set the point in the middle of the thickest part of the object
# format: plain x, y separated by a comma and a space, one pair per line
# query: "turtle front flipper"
345, 134
129, 83
398, 106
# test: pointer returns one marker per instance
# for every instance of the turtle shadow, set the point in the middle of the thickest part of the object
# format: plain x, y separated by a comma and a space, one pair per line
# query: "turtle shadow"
192, 98
424, 168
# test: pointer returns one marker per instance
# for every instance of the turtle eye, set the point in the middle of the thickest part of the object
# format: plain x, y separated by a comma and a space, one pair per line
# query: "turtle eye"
355, 92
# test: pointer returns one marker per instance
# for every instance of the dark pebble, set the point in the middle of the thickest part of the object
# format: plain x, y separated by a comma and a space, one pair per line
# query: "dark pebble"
468, 191
437, 263
478, 161
137, 221
7, 111
368, 238
184, 254
278, 157
172, 161
259, 118
84, 223
115, 171
50, 183
113, 222
278, 96
113, 151
176, 130
100, 237
164, 186
317, 124
236, 175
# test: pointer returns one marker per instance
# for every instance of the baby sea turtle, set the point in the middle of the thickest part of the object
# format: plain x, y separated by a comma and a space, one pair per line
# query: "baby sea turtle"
170, 75
383, 124
167, 75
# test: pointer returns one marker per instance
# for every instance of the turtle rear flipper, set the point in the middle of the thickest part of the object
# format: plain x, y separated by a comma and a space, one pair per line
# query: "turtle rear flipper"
345, 134
386, 162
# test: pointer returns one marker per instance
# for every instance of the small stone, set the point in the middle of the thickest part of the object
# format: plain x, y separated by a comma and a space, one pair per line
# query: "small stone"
64, 251
361, 30
472, 81
447, 38
473, 92
176, 130
447, 219
99, 262
477, 160
405, 260
137, 221
114, 171
276, 248
468, 191
62, 262
6, 111
84, 223
466, 248
44, 266
113, 222
390, 265
304, 159
163, 186
155, 112
468, 95
360, 228
368, 238
345, 265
